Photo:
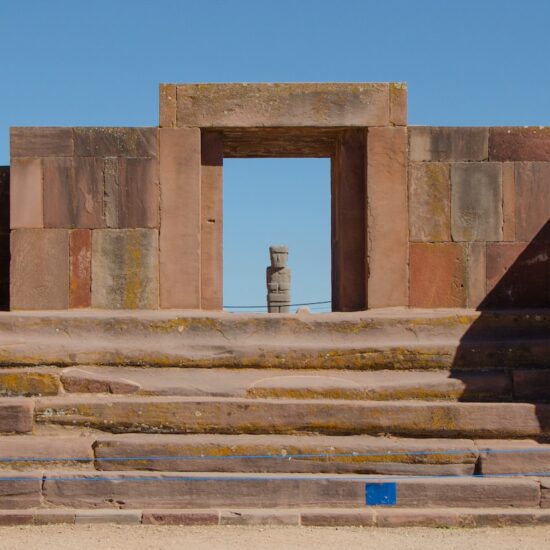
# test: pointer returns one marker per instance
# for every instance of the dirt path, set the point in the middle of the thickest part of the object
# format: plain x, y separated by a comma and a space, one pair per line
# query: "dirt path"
113, 537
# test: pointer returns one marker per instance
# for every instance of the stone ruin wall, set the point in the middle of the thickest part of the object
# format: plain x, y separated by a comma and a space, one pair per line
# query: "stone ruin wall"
131, 218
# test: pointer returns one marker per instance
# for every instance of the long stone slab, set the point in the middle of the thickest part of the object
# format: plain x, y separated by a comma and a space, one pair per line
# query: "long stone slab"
276, 453
199, 490
377, 340
280, 105
513, 457
20, 490
257, 416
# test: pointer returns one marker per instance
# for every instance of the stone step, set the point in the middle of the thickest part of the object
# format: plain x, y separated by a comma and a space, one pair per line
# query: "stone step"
488, 385
120, 414
16, 415
240, 453
135, 490
314, 517
385, 339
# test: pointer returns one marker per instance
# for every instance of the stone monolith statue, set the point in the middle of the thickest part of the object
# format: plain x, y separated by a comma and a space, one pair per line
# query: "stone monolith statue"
278, 280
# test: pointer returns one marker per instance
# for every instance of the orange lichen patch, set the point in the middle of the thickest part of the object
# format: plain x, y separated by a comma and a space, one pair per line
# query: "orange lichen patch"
24, 383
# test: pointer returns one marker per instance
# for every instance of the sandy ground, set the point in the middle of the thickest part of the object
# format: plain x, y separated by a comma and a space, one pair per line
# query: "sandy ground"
114, 537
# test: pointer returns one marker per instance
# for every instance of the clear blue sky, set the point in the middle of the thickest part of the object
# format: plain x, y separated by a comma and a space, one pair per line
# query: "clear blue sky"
99, 62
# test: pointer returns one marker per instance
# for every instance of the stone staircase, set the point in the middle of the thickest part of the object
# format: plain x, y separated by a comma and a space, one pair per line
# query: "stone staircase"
393, 417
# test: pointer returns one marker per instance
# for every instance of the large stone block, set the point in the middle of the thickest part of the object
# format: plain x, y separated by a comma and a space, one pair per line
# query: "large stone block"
277, 105
387, 217
476, 201
125, 268
499, 457
22, 491
398, 103
532, 200
39, 269
26, 383
429, 202
131, 194
73, 192
437, 275
212, 220
16, 415
349, 249
116, 142
41, 142
80, 268
531, 385
180, 234
508, 201
26, 206
167, 105
519, 143
476, 275
448, 144
518, 275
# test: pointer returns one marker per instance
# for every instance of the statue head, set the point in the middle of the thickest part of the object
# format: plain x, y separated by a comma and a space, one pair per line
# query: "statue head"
278, 255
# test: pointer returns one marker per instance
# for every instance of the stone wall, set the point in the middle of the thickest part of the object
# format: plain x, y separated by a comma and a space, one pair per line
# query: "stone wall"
84, 218
4, 237
479, 211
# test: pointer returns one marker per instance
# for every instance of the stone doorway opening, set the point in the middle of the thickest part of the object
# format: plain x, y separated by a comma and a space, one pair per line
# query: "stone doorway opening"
276, 201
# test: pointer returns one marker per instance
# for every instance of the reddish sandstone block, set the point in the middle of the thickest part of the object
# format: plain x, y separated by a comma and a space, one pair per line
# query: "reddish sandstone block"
447, 144
180, 517
26, 207
73, 192
532, 200
337, 518
211, 220
476, 201
429, 202
180, 183
116, 142
519, 144
131, 194
260, 517
349, 280
281, 105
167, 105
387, 217
437, 275
39, 269
21, 491
16, 415
476, 277
518, 275
508, 201
80, 268
398, 103
41, 142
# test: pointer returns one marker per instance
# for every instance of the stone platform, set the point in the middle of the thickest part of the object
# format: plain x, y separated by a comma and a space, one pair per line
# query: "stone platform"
176, 417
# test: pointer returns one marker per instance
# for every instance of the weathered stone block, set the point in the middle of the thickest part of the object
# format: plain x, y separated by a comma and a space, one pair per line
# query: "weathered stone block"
532, 385
17, 492
337, 518
118, 517
212, 220
26, 206
180, 243
448, 144
508, 201
519, 143
25, 383
518, 275
167, 105
16, 416
277, 105
387, 217
41, 142
513, 457
398, 103
125, 268
260, 517
131, 195
429, 202
115, 142
80, 268
437, 275
73, 192
39, 269
476, 275
476, 201
532, 200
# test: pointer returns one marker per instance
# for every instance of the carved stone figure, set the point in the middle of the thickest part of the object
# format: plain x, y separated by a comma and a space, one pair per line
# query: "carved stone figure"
278, 280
